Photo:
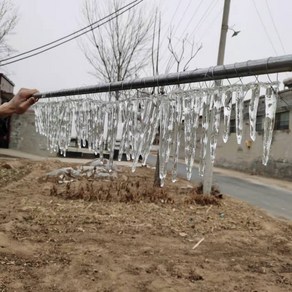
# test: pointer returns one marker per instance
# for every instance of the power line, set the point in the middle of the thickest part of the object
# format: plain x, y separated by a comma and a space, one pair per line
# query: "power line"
210, 7
69, 37
169, 63
210, 25
203, 18
175, 11
265, 29
274, 25
182, 16
192, 17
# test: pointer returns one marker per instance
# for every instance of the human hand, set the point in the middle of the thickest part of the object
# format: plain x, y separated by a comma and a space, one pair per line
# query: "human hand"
22, 101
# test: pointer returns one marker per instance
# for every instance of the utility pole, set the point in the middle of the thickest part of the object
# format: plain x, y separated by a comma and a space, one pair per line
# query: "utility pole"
208, 173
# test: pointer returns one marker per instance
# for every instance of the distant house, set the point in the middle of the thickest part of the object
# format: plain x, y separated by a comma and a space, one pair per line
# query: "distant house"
6, 93
247, 157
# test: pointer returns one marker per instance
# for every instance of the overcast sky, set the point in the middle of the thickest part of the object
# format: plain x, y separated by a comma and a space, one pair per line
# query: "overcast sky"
265, 32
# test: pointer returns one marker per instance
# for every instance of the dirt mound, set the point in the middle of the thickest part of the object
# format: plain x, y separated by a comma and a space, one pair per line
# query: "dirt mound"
74, 241
124, 186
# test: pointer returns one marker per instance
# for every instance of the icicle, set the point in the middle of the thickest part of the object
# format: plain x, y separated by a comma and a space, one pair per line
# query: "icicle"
152, 130
113, 117
177, 131
139, 131
125, 121
191, 123
166, 129
239, 102
227, 115
205, 126
215, 124
253, 109
188, 107
271, 105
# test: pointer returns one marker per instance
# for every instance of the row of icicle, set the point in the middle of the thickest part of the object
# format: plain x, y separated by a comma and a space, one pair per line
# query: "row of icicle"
97, 121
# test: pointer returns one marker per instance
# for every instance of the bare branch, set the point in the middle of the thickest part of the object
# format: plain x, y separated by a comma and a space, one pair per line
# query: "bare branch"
120, 48
8, 21
192, 55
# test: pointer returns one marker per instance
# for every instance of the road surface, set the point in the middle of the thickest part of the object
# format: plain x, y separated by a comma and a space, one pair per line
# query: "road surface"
260, 192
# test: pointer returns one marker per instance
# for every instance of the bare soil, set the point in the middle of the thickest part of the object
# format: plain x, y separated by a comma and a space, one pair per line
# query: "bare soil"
121, 234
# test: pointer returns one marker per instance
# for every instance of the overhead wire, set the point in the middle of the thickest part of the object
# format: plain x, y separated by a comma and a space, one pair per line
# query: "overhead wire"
207, 12
204, 16
265, 29
175, 11
211, 24
71, 36
275, 27
168, 62
184, 13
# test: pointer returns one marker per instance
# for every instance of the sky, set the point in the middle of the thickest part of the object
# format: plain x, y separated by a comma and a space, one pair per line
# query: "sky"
264, 25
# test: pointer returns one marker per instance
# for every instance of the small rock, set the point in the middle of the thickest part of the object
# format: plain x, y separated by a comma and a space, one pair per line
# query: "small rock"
59, 172
7, 166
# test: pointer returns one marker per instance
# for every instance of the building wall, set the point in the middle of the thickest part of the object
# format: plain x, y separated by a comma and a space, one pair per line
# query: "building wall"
249, 159
247, 156
23, 136
6, 85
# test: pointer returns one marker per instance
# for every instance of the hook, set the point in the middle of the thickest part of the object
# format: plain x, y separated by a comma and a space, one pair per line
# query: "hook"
240, 79
271, 82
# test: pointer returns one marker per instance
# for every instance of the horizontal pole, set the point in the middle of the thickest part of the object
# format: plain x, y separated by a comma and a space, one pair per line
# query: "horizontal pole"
242, 69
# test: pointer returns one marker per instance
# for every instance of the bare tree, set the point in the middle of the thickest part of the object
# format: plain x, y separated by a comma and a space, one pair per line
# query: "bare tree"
179, 57
121, 48
8, 21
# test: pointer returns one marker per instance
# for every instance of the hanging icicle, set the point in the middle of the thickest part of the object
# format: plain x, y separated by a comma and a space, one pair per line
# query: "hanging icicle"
227, 114
177, 130
192, 110
98, 120
206, 115
253, 109
270, 111
239, 114
215, 124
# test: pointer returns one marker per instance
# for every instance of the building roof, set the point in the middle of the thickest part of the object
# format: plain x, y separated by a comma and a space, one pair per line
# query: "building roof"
6, 78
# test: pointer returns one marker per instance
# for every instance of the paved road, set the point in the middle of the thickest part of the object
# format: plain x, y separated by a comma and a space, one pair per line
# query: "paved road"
276, 200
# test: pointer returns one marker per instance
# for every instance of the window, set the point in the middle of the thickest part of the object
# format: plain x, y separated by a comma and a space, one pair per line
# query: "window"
282, 121
232, 126
259, 124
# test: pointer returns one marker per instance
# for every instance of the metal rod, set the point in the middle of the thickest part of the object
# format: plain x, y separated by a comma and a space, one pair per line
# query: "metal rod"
242, 69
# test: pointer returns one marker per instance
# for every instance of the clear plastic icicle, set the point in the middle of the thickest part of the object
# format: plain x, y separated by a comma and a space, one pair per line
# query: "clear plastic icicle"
165, 140
206, 114
239, 104
188, 114
177, 119
192, 112
125, 121
227, 114
215, 124
152, 130
270, 108
253, 109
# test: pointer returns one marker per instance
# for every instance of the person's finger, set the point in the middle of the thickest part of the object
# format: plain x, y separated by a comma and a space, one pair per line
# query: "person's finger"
27, 93
29, 102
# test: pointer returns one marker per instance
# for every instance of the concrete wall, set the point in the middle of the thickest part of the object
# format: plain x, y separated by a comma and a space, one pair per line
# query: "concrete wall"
23, 136
5, 84
249, 159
